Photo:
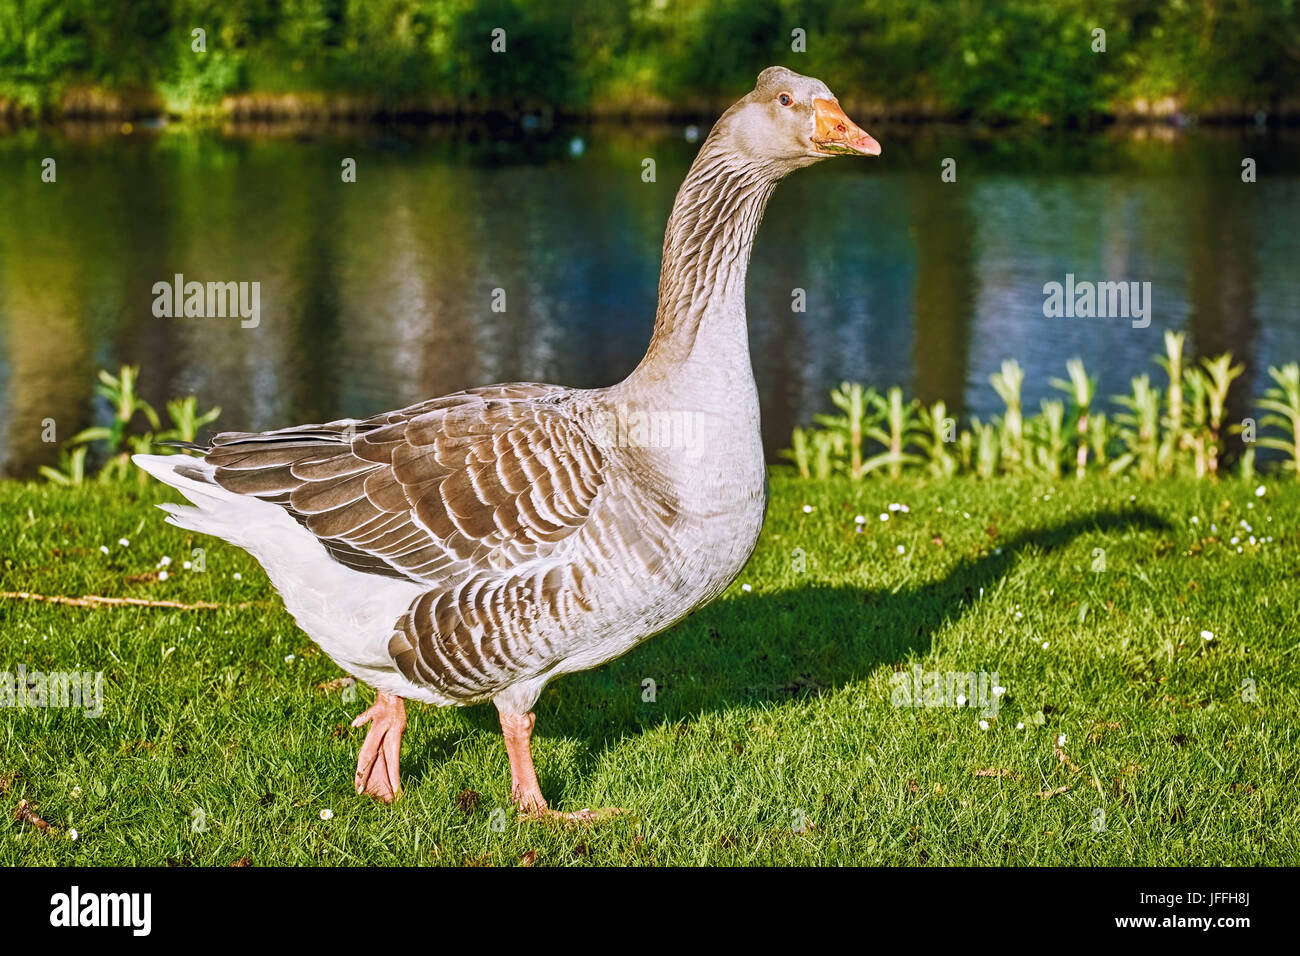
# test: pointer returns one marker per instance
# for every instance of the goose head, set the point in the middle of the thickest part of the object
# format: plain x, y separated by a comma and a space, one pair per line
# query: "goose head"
790, 121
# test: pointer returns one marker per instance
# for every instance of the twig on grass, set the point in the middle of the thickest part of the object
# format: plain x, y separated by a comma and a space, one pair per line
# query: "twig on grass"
96, 600
24, 813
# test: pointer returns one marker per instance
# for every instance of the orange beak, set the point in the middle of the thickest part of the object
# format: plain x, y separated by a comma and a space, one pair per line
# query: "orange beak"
837, 135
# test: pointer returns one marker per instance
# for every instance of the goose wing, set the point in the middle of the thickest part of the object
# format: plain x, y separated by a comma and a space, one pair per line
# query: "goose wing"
486, 478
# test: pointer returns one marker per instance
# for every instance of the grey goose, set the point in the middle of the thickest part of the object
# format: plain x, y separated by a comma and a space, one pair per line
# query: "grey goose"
477, 546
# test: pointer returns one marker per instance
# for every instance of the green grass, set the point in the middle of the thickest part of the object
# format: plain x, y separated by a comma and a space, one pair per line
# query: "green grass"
773, 705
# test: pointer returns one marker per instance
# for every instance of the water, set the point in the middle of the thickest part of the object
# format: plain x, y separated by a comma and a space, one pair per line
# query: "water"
379, 293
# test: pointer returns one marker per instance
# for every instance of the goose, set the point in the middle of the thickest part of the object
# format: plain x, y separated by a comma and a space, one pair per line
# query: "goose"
477, 546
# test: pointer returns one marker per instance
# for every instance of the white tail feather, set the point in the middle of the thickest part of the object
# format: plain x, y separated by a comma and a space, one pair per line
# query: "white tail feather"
349, 613
218, 511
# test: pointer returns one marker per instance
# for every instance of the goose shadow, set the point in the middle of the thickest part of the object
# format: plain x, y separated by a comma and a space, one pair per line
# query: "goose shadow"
752, 649
757, 649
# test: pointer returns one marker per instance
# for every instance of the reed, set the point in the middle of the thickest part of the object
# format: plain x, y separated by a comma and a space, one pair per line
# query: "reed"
1046, 439
1176, 437
1008, 383
1219, 375
900, 428
937, 440
1139, 426
1081, 390
1152, 432
1282, 402
110, 446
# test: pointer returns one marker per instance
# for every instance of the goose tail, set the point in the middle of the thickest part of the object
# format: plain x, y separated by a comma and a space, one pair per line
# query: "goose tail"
216, 511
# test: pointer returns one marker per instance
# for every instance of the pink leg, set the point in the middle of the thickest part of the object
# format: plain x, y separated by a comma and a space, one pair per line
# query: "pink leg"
524, 788
377, 764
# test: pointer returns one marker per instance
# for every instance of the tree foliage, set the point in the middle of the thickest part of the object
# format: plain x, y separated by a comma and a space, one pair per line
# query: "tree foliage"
996, 60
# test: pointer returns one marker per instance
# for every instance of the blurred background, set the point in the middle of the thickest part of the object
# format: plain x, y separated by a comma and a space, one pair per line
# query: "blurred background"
522, 170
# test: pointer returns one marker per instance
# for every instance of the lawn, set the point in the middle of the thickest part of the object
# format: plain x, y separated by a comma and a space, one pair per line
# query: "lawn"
1142, 637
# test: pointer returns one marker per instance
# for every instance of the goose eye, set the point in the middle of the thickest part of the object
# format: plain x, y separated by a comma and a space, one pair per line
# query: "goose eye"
785, 99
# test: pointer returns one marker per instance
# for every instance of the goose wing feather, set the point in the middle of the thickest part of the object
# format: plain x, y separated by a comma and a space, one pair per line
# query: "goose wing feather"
483, 479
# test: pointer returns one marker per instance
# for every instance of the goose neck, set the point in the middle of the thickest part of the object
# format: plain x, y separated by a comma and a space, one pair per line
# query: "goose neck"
701, 315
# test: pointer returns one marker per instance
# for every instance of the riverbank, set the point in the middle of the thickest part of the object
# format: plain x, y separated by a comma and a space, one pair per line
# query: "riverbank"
101, 105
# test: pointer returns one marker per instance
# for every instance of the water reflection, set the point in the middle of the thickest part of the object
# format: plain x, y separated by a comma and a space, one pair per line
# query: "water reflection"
1221, 285
380, 293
